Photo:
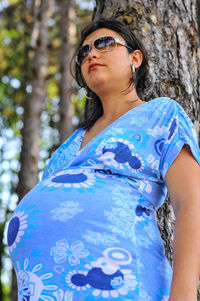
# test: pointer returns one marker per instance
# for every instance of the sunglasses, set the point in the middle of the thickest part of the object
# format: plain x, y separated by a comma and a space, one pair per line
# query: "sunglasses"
103, 44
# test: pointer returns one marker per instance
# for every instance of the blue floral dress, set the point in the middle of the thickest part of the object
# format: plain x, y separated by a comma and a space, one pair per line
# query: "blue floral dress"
87, 231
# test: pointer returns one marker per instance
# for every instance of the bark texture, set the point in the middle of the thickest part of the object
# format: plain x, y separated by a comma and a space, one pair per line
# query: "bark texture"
169, 31
33, 104
67, 31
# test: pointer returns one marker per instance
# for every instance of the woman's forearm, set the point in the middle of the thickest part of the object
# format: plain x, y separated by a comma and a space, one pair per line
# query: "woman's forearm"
186, 267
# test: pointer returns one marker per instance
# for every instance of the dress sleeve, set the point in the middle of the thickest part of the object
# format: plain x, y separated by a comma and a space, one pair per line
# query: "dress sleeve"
180, 132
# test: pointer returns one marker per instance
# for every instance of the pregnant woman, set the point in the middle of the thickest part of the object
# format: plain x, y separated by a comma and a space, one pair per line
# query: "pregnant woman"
87, 231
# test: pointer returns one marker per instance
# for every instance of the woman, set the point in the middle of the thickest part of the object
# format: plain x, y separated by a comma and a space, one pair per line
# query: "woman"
87, 230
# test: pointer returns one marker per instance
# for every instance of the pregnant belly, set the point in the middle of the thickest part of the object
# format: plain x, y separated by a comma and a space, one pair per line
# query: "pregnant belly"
80, 230
77, 205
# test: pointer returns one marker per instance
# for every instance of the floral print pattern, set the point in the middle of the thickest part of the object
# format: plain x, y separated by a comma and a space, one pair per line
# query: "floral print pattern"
66, 211
63, 251
87, 231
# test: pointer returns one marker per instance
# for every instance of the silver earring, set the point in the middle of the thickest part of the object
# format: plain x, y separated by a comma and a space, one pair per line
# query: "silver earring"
133, 68
88, 98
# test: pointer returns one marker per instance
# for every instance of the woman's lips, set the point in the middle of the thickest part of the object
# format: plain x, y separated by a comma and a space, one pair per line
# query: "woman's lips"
94, 66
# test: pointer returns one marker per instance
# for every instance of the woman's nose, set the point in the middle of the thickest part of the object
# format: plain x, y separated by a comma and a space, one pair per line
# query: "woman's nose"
93, 53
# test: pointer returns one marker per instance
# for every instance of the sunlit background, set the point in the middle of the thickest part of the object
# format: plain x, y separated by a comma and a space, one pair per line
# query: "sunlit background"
16, 23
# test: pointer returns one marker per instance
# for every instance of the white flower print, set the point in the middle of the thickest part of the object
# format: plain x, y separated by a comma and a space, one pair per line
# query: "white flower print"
97, 238
63, 251
66, 211
157, 131
63, 296
32, 286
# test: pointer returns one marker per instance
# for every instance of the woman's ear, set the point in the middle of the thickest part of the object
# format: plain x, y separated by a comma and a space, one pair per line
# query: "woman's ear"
137, 58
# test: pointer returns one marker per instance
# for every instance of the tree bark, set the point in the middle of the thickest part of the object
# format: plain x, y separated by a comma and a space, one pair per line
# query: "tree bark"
33, 104
169, 31
67, 31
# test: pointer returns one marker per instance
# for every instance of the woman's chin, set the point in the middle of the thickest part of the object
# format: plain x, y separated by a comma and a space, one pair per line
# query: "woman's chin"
97, 84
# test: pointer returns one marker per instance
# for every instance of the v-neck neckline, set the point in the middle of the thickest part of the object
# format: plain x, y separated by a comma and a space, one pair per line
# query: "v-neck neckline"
107, 127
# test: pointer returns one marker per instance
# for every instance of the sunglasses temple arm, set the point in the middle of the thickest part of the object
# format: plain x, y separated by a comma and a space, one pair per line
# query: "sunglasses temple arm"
122, 43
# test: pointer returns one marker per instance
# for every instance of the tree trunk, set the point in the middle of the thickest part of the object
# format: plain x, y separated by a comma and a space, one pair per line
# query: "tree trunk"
33, 104
28, 175
169, 32
67, 31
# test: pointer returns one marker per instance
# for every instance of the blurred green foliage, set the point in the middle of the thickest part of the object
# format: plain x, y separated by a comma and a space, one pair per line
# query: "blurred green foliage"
16, 53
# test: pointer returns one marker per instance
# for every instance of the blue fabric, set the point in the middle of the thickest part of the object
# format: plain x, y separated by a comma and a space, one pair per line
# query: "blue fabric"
87, 230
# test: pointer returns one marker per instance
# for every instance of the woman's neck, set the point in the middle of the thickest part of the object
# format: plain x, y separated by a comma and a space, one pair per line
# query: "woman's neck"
116, 104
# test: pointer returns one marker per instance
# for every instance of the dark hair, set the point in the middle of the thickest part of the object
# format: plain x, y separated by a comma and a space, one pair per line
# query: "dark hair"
93, 106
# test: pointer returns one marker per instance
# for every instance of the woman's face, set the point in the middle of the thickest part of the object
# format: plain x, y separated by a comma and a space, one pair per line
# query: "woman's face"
107, 70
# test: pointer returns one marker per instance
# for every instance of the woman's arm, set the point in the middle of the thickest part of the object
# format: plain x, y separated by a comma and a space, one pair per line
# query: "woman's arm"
183, 183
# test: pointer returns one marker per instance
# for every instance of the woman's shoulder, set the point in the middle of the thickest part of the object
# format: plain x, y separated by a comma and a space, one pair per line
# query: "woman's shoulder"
172, 119
163, 102
163, 107
164, 112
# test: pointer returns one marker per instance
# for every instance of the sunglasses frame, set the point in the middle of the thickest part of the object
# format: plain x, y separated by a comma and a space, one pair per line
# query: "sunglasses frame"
117, 41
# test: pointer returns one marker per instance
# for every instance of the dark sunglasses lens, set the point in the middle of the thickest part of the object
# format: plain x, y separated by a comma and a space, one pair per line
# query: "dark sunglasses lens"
83, 52
104, 43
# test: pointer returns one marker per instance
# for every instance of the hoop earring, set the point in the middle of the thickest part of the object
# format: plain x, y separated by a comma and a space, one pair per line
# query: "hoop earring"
133, 68
88, 98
